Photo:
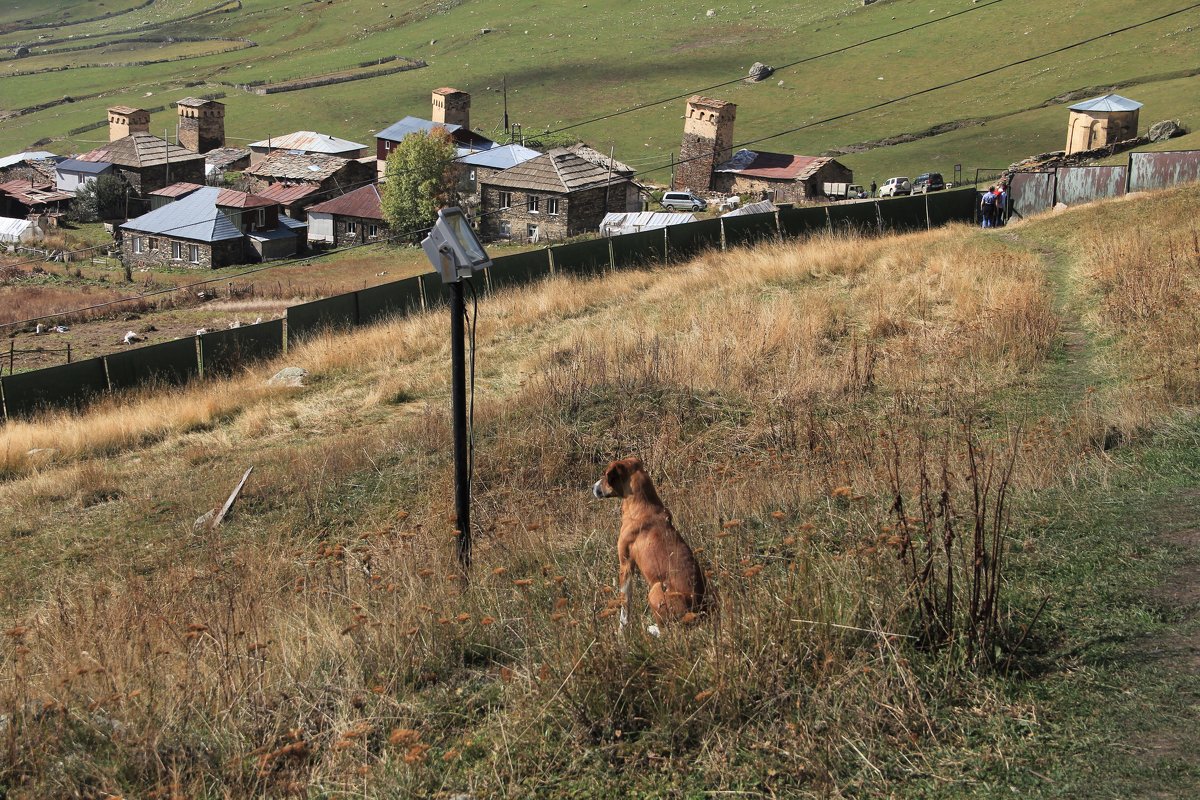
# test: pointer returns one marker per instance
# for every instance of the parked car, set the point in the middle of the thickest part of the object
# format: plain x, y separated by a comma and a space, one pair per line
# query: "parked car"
855, 192
683, 201
928, 182
895, 186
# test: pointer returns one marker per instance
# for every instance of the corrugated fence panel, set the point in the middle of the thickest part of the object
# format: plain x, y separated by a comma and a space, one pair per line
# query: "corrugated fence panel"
224, 352
1084, 184
1160, 170
750, 229
64, 386
1031, 193
638, 249
806, 220
860, 217
582, 258
952, 205
903, 213
306, 319
519, 269
168, 362
437, 292
687, 240
376, 303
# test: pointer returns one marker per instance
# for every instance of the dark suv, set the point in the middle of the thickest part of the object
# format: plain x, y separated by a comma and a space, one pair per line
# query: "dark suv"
928, 182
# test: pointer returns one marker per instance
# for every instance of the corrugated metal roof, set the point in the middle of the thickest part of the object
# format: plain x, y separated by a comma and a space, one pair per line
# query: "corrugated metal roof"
12, 229
33, 194
29, 155
84, 167
500, 157
194, 217
760, 207
287, 193
559, 170
363, 202
1108, 102
309, 142
780, 166
140, 150
314, 167
181, 189
231, 198
398, 130
617, 223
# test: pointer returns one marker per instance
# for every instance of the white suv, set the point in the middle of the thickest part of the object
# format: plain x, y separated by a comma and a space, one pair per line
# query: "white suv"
683, 201
894, 186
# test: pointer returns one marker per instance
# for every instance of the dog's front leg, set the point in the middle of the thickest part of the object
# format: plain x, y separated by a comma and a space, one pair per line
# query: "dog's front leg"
626, 583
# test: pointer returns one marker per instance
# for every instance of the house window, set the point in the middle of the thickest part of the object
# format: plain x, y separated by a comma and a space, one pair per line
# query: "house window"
153, 244
552, 206
372, 231
177, 251
505, 229
506, 199
533, 232
533, 203
137, 244
262, 217
351, 227
194, 253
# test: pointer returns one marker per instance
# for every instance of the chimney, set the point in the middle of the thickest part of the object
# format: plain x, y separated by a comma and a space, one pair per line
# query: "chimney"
452, 107
126, 120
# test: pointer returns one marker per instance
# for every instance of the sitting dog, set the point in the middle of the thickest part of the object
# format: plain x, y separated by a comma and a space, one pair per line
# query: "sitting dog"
649, 540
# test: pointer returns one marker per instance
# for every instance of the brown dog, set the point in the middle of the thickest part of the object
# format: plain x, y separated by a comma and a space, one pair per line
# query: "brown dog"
649, 540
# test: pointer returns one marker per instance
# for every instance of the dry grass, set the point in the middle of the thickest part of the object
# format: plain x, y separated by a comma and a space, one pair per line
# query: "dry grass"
325, 642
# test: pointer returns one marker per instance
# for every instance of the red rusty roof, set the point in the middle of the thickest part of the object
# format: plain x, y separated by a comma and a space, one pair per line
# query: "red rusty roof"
288, 192
180, 189
362, 203
28, 193
231, 198
778, 166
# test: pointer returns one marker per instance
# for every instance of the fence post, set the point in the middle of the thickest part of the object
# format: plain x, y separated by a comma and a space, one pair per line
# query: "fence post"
12, 354
68, 352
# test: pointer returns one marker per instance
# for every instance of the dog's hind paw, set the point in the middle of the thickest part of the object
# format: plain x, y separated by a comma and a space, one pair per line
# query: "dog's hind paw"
653, 631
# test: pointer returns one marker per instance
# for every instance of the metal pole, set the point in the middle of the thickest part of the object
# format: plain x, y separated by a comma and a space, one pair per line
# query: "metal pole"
462, 478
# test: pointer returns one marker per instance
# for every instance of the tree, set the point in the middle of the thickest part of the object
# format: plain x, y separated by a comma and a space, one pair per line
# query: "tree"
101, 199
419, 179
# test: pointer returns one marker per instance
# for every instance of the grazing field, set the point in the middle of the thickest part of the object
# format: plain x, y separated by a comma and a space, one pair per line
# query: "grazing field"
928, 475
567, 63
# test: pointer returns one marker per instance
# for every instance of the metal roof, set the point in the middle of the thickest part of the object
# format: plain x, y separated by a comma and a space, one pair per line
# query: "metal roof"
140, 150
29, 193
308, 167
29, 155
398, 130
559, 170
181, 189
631, 222
194, 217
363, 202
231, 198
309, 142
84, 167
760, 207
11, 229
499, 157
287, 193
1108, 102
779, 166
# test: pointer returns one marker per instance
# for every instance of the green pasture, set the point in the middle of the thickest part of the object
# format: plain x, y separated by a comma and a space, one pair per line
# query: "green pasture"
565, 63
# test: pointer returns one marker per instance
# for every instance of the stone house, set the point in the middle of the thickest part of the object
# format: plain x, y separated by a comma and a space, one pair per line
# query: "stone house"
451, 111
1101, 121
299, 180
306, 143
470, 170
780, 177
555, 196
353, 218
148, 163
25, 198
36, 165
210, 228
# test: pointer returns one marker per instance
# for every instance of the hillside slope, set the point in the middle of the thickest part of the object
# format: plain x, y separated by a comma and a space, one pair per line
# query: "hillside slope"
323, 640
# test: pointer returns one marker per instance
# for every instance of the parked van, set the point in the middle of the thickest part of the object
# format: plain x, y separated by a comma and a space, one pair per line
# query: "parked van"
683, 201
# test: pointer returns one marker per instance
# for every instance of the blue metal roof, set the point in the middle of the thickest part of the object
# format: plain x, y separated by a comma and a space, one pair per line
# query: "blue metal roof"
1108, 102
398, 130
86, 167
500, 157
194, 217
29, 155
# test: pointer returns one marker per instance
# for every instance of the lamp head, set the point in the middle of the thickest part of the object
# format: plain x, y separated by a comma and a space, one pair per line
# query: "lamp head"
453, 248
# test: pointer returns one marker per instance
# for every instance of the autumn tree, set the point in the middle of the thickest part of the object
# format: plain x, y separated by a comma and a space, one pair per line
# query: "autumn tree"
418, 180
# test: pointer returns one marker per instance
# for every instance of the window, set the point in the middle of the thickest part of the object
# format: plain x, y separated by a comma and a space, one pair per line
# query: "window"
506, 199
194, 253
177, 251
533, 232
137, 244
153, 243
532, 203
372, 231
351, 227
505, 229
552, 206
262, 217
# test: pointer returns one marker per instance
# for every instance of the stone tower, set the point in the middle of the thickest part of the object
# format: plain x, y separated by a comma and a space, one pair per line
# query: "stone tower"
201, 124
125, 120
707, 142
452, 107
1101, 121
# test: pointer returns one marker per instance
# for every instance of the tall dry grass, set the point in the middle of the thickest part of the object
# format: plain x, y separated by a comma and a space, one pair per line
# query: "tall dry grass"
325, 642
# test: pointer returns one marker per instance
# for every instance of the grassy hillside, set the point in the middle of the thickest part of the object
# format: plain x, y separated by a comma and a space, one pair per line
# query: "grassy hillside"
567, 62
323, 641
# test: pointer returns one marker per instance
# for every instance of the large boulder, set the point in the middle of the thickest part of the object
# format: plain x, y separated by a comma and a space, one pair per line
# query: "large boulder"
760, 71
1167, 129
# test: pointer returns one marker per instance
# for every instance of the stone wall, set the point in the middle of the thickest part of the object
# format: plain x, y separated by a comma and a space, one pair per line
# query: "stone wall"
578, 212
362, 230
783, 191
212, 256
151, 179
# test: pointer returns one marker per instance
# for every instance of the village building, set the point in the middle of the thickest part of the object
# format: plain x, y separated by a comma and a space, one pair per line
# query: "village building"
480, 166
554, 196
225, 159
298, 180
26, 199
451, 111
143, 160
169, 194
211, 227
30, 165
780, 177
707, 142
71, 174
1101, 121
354, 218
306, 143
201, 124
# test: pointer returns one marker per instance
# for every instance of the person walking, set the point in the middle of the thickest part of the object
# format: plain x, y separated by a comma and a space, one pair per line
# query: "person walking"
1002, 206
987, 207
874, 188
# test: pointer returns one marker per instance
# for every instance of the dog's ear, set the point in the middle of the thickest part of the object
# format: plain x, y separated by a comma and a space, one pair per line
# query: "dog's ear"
632, 464
614, 473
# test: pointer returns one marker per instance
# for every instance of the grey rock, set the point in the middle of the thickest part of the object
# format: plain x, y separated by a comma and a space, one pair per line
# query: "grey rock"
1167, 129
289, 376
760, 71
